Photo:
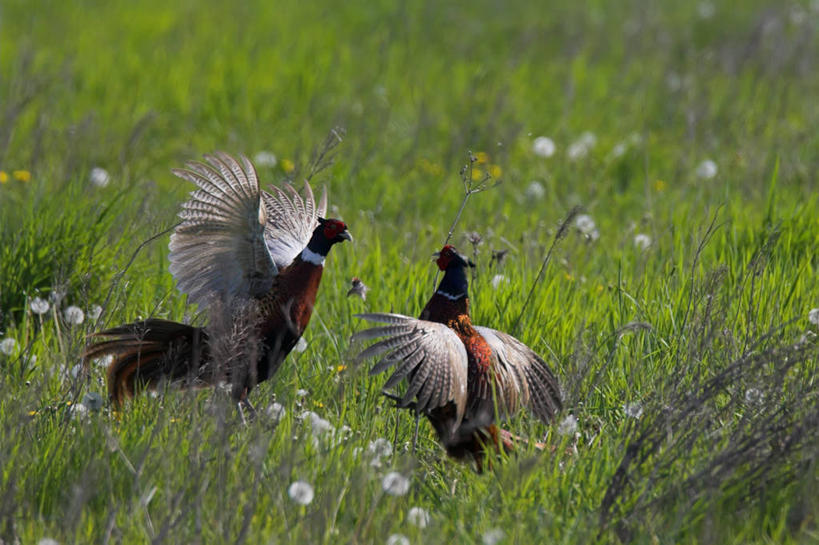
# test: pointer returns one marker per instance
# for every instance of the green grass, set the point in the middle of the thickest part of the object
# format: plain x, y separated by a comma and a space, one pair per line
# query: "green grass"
139, 89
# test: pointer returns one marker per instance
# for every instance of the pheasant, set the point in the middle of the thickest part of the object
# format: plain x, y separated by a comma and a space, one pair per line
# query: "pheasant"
460, 375
254, 260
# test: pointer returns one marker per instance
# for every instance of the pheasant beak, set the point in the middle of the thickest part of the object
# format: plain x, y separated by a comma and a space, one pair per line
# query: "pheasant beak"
346, 235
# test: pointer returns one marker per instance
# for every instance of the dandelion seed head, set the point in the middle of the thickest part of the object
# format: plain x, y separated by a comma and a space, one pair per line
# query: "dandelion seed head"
535, 191
380, 448
99, 177
39, 305
499, 279
265, 159
74, 315
619, 150
79, 410
318, 425
301, 392
567, 426
398, 539
582, 146
813, 316
493, 536
642, 241
633, 410
95, 312
8, 346
395, 484
585, 224
301, 492
276, 411
543, 146
707, 169
48, 541
418, 516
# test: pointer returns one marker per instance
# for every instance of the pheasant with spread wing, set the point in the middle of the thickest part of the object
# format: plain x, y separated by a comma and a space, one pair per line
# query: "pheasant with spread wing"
254, 260
460, 375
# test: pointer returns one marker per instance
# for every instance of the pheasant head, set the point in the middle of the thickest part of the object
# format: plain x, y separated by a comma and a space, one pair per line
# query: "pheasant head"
326, 233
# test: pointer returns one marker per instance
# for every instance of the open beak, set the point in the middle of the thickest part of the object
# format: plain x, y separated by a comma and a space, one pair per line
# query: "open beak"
346, 235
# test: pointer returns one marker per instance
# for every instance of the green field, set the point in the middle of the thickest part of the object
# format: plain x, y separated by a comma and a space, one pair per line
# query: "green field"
676, 310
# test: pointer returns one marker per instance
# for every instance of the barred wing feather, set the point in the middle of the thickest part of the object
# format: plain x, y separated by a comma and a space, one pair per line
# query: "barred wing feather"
291, 220
219, 247
430, 355
525, 378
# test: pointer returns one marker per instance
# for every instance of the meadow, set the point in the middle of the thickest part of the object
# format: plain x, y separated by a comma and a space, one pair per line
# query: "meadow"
676, 142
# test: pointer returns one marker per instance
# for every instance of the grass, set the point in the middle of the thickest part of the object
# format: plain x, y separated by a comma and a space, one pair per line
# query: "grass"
706, 328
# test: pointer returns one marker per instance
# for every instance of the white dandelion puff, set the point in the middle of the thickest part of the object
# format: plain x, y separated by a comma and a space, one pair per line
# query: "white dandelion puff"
48, 541
619, 150
642, 241
754, 396
39, 306
707, 169
99, 177
79, 410
585, 224
8, 346
633, 410
398, 539
418, 516
301, 392
535, 191
318, 425
276, 411
567, 426
301, 346
94, 312
395, 484
301, 492
813, 316
582, 146
380, 448
499, 279
74, 315
493, 536
543, 146
265, 159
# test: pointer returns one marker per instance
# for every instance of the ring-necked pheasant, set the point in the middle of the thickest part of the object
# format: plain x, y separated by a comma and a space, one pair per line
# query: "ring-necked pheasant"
460, 375
254, 259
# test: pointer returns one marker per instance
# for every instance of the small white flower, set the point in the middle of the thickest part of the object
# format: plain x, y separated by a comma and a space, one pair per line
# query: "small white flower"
301, 492
99, 177
567, 426
642, 241
78, 410
498, 279
493, 536
543, 146
535, 191
633, 410
395, 484
301, 345
754, 396
265, 159
92, 400
301, 392
581, 147
813, 316
398, 539
276, 411
94, 312
8, 346
74, 315
39, 305
48, 541
585, 224
418, 516
707, 169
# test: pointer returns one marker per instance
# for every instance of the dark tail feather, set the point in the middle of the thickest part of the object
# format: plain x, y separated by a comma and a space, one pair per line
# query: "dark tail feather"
147, 353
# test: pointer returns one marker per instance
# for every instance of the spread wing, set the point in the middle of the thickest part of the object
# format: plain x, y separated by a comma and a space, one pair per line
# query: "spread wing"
429, 354
525, 378
291, 220
219, 247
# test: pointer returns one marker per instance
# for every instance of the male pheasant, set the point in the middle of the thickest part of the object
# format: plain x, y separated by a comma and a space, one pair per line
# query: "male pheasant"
254, 259
460, 375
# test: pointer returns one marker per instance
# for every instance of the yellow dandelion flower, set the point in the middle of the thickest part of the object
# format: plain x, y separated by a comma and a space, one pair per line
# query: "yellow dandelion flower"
340, 368
569, 277
428, 167
318, 404
599, 288
3, 177
477, 174
495, 171
21, 175
481, 157
288, 166
32, 413
659, 185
